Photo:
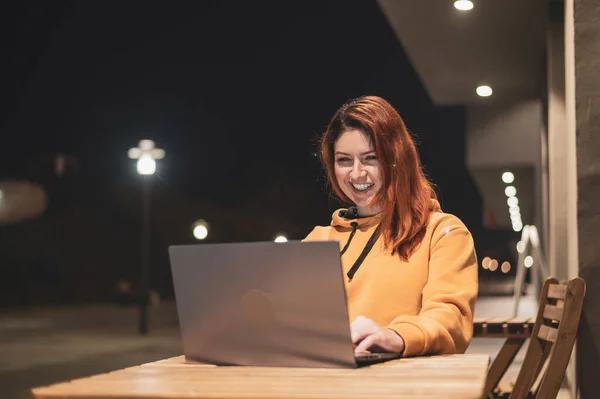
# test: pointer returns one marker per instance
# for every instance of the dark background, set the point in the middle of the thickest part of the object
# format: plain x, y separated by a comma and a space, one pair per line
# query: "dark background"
236, 93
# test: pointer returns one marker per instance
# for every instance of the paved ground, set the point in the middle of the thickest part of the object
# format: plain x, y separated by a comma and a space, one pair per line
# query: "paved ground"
42, 346
46, 345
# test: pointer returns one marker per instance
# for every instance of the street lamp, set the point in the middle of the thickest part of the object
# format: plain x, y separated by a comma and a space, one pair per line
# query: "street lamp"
146, 155
200, 229
281, 238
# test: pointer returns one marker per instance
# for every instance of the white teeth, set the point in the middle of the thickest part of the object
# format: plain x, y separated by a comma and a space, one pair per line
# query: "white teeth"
361, 187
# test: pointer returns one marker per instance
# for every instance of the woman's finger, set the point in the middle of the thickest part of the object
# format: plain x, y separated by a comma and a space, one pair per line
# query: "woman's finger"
361, 328
366, 343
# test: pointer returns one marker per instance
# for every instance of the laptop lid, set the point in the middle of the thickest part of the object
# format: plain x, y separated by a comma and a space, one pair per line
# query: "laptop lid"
262, 304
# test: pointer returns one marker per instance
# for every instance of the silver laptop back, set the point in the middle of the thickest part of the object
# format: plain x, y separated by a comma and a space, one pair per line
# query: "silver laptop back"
262, 304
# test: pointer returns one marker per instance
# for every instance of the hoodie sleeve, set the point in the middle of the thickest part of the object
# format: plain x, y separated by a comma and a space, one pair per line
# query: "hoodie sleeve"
445, 323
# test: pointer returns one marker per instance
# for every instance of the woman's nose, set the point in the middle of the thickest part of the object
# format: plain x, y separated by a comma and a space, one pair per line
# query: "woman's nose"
357, 171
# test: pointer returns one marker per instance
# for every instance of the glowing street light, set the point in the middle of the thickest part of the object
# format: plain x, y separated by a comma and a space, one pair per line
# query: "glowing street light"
281, 238
485, 263
200, 229
146, 154
493, 265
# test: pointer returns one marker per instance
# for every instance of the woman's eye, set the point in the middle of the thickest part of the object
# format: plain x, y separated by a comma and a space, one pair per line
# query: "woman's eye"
372, 158
343, 161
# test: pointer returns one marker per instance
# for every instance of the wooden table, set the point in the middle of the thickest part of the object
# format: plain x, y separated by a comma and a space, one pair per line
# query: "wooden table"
451, 376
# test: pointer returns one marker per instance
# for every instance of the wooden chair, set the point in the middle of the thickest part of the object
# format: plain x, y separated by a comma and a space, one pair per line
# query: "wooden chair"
551, 342
516, 330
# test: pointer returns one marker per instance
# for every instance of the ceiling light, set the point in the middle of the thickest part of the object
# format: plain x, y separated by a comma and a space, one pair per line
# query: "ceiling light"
510, 191
508, 177
512, 201
484, 91
463, 5
517, 226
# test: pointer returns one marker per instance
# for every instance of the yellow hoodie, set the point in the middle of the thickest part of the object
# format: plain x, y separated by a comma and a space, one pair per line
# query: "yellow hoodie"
428, 300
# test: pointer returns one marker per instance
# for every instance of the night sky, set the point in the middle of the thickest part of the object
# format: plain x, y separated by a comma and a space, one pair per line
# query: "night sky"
235, 92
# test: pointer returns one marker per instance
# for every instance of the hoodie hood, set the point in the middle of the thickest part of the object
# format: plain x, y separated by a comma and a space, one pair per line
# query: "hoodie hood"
341, 217
434, 205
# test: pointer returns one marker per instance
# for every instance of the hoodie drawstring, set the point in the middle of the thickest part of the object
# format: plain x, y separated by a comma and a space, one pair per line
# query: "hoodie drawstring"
364, 252
354, 226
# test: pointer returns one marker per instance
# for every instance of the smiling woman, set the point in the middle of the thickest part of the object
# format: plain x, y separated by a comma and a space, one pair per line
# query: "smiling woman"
411, 268
357, 170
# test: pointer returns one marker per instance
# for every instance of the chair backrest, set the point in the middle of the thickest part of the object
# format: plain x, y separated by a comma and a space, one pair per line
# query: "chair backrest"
552, 339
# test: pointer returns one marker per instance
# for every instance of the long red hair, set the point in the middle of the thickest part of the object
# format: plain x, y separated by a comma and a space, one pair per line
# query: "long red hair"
406, 193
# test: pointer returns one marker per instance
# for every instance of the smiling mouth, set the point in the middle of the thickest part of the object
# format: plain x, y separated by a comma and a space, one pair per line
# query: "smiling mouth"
362, 187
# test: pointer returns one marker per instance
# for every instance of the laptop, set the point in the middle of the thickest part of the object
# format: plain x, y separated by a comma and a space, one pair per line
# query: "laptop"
265, 304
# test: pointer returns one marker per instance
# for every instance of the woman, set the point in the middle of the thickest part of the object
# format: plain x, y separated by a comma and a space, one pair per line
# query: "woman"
411, 269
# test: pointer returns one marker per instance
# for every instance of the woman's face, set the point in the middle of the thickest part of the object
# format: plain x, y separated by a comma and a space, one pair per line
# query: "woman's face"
357, 170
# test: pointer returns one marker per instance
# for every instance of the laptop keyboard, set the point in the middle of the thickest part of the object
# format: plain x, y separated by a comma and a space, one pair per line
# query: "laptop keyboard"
367, 356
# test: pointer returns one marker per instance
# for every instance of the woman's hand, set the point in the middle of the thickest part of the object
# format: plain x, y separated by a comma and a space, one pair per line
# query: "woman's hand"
368, 335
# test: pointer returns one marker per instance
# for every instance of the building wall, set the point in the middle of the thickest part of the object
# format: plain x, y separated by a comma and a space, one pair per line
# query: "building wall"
504, 134
502, 137
582, 60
